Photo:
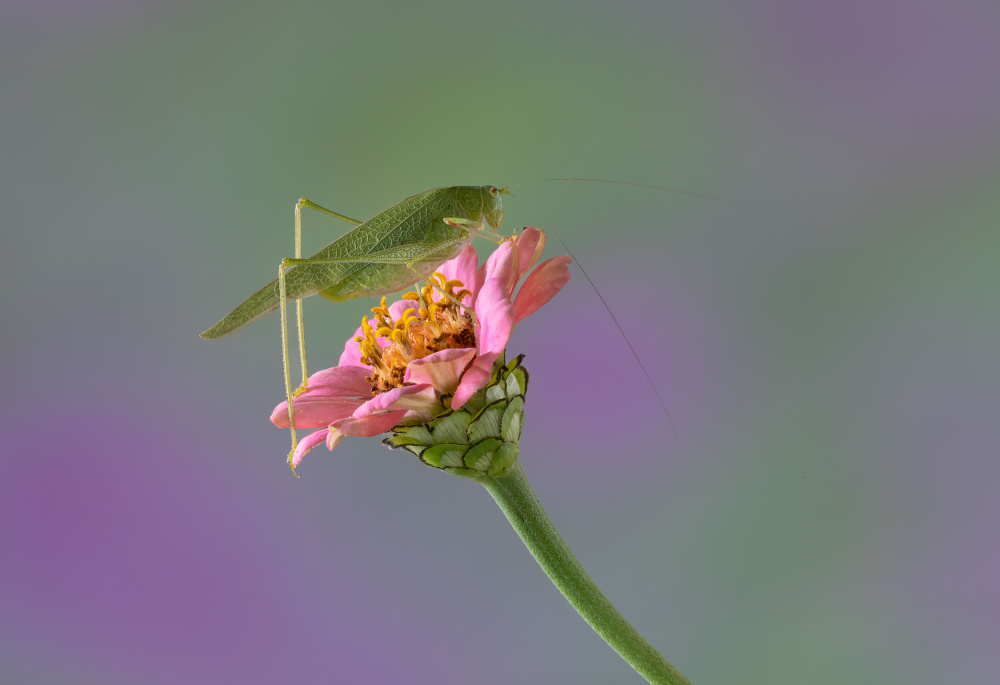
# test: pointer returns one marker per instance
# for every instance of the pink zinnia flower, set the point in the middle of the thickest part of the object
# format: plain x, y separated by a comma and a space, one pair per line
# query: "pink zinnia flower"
401, 367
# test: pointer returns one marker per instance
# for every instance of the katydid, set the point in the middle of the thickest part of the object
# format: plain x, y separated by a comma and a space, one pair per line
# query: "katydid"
391, 251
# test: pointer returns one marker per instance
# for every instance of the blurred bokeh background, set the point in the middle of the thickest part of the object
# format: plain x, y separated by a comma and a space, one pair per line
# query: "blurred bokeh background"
825, 336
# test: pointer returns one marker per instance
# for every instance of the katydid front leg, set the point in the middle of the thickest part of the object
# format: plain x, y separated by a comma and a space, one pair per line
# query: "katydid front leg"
476, 228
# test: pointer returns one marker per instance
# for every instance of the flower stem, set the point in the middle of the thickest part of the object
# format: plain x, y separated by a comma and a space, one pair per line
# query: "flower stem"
520, 504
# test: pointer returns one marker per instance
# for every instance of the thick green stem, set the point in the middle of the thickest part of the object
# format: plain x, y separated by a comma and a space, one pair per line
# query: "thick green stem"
520, 504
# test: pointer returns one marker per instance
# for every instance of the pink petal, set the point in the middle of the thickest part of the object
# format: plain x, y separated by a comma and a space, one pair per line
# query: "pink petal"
501, 265
541, 286
334, 438
341, 381
370, 425
351, 356
409, 397
442, 369
332, 394
418, 402
462, 268
306, 444
399, 307
315, 412
474, 379
496, 317
529, 248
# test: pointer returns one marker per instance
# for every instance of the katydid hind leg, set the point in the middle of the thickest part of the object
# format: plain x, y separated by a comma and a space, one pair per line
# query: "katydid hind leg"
283, 310
402, 254
309, 204
299, 316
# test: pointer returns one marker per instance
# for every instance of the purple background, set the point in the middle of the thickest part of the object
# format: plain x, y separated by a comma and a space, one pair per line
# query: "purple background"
826, 338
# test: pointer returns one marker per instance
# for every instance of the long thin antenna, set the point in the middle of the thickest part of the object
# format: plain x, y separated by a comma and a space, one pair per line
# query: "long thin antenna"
649, 379
665, 189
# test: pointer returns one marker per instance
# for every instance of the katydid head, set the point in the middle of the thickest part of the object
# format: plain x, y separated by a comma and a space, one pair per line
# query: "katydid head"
483, 203
493, 205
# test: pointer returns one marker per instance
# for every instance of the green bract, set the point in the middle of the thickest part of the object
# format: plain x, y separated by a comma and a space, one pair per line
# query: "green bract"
481, 438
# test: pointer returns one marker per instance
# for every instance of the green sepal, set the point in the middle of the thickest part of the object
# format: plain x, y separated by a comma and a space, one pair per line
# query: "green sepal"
402, 440
487, 421
444, 454
510, 422
416, 449
495, 391
449, 427
480, 455
409, 435
503, 459
480, 438
462, 472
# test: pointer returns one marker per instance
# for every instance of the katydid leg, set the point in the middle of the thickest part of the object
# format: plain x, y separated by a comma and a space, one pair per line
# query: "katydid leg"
476, 228
299, 317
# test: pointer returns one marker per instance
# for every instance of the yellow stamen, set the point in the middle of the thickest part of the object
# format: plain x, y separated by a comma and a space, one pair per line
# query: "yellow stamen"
440, 322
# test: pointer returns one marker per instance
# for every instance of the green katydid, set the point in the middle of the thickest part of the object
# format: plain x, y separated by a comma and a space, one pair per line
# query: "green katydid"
391, 251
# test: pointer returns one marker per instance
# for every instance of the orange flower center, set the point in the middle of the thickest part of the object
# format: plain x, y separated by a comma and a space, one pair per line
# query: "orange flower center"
430, 326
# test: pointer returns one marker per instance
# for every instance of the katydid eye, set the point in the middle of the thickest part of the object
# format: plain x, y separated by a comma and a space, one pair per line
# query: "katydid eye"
494, 192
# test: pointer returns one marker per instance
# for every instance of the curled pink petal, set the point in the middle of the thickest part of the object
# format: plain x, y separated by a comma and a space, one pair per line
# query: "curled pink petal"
368, 426
496, 317
501, 266
442, 369
541, 285
331, 394
408, 397
306, 444
346, 381
529, 248
315, 412
333, 438
476, 378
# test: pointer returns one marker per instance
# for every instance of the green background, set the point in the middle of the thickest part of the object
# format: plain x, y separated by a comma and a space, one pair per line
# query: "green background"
820, 507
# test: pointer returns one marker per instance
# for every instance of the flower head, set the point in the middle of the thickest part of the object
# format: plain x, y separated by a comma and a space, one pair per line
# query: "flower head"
429, 353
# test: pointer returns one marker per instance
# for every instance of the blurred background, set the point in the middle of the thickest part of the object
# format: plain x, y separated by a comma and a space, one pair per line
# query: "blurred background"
825, 336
